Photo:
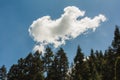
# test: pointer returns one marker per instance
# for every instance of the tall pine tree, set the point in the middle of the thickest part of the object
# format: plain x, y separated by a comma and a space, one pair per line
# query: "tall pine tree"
3, 73
78, 62
62, 64
48, 61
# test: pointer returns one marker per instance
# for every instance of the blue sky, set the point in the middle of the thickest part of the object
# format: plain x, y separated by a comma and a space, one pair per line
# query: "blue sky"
17, 15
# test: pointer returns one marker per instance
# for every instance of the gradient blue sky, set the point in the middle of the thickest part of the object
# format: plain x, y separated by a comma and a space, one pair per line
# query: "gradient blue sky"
17, 15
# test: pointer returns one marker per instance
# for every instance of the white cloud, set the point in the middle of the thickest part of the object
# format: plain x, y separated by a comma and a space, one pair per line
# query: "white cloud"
39, 48
70, 25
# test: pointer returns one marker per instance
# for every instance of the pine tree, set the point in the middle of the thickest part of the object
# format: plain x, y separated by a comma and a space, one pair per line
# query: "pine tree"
29, 68
109, 73
3, 73
78, 61
38, 66
48, 60
116, 49
53, 71
116, 41
13, 73
117, 69
85, 70
62, 64
79, 56
59, 66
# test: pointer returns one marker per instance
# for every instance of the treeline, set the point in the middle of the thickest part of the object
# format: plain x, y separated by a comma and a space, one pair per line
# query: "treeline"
55, 66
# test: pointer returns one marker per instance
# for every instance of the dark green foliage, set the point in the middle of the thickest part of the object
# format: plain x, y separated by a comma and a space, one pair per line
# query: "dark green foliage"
29, 68
62, 65
79, 56
58, 69
48, 59
3, 73
78, 68
48, 63
116, 41
117, 70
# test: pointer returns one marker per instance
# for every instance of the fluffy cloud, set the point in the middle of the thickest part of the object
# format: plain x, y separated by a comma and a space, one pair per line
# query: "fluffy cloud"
70, 25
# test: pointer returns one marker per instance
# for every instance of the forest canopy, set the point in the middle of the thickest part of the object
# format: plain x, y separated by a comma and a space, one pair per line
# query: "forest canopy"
55, 66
